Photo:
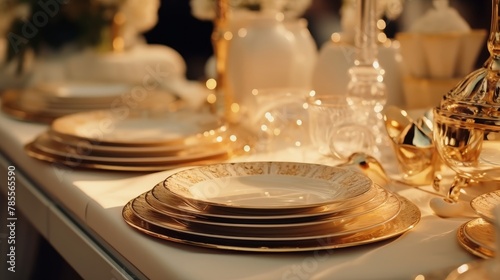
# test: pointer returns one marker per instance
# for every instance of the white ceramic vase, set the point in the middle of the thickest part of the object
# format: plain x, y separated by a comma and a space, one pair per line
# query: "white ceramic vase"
265, 52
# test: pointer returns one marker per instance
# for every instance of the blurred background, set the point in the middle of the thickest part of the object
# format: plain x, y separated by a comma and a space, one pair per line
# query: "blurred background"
180, 30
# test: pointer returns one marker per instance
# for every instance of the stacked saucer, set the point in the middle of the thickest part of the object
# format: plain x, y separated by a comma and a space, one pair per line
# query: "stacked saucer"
46, 102
478, 235
270, 207
134, 140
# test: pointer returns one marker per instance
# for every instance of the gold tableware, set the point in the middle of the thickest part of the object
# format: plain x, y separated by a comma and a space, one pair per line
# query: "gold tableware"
412, 142
162, 201
477, 237
266, 186
163, 227
485, 204
467, 122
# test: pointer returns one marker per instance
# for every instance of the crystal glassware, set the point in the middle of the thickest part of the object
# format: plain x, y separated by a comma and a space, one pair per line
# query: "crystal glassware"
366, 87
467, 121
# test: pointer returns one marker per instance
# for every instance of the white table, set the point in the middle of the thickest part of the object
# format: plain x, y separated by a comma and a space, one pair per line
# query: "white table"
79, 212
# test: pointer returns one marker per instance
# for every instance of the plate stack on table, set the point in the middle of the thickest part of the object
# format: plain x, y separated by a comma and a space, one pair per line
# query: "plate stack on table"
270, 207
477, 236
134, 140
46, 102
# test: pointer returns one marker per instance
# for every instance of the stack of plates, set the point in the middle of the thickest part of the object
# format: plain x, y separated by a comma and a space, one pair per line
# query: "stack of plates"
134, 140
478, 235
46, 102
270, 207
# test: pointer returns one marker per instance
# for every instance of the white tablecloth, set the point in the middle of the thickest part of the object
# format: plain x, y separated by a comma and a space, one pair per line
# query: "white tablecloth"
96, 198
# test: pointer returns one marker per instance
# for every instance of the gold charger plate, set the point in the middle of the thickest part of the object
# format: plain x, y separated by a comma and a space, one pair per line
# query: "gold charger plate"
76, 162
485, 203
481, 233
325, 227
407, 218
11, 107
44, 143
200, 142
164, 202
266, 186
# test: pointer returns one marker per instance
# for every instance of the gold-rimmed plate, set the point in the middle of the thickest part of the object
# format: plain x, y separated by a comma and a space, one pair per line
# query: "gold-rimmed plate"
170, 206
317, 227
322, 228
407, 218
72, 161
44, 143
480, 232
124, 127
165, 202
485, 203
476, 237
92, 148
264, 186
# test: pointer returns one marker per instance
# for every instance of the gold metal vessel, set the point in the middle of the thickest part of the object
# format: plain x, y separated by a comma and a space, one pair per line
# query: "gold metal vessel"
467, 121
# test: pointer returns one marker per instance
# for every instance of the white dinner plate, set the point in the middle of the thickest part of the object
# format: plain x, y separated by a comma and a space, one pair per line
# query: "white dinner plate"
267, 185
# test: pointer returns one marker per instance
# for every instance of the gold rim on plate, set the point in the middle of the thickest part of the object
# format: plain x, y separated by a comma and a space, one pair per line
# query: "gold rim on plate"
470, 245
75, 162
407, 219
325, 227
383, 204
44, 143
166, 202
137, 127
485, 203
265, 186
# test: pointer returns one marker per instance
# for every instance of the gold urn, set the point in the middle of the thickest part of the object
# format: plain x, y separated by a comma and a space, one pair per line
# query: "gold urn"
467, 121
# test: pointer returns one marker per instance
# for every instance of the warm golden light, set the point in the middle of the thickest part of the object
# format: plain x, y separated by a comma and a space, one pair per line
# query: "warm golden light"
242, 32
463, 268
235, 107
118, 44
381, 24
420, 277
211, 83
228, 35
335, 37
211, 98
382, 37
